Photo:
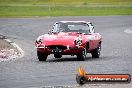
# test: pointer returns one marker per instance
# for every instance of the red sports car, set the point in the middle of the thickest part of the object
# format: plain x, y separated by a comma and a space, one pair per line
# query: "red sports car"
69, 38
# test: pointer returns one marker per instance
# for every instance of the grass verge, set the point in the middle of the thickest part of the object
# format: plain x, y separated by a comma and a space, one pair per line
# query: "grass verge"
19, 11
29, 8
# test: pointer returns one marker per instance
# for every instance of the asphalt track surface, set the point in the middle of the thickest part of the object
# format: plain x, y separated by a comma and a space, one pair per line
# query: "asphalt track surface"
28, 72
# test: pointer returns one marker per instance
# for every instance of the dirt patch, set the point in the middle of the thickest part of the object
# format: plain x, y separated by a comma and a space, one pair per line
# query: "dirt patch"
5, 45
7, 51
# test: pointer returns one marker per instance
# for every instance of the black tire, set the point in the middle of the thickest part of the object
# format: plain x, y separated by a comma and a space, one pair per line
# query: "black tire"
41, 56
96, 53
82, 56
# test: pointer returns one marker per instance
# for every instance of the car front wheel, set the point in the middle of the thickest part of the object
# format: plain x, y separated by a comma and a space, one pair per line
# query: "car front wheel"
96, 52
41, 56
82, 56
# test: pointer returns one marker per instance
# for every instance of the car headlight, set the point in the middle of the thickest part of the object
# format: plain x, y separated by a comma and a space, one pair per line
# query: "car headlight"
39, 39
78, 41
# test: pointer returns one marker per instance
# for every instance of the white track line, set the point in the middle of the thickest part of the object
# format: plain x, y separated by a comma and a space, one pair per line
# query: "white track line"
21, 52
7, 40
128, 31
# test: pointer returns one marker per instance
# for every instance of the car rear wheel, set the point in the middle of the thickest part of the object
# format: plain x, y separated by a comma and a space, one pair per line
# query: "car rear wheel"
96, 52
82, 56
41, 56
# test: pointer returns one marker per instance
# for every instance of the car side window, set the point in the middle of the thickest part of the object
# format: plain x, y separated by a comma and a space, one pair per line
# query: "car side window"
91, 28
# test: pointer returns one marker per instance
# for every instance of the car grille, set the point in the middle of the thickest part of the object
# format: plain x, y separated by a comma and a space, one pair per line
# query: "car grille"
57, 47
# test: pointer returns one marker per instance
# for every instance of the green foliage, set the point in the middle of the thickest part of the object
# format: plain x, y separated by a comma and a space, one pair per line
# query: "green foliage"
27, 8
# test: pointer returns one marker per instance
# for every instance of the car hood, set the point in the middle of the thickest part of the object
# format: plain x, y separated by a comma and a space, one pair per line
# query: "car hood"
60, 38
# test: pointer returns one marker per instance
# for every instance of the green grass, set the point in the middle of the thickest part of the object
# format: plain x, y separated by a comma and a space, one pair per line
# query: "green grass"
29, 8
62, 1
18, 11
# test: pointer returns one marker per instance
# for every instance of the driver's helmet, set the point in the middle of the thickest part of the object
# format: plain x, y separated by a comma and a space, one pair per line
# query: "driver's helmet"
91, 28
55, 28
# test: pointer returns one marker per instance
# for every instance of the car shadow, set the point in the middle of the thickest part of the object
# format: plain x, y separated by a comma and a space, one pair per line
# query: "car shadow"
69, 59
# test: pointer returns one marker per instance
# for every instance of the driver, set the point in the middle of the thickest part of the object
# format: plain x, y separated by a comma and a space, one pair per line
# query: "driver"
55, 28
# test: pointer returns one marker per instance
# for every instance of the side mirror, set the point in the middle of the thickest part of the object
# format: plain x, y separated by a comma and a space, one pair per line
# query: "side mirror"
49, 32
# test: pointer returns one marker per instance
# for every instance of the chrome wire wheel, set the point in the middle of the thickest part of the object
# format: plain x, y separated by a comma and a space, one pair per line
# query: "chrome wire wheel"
99, 49
84, 52
96, 52
82, 56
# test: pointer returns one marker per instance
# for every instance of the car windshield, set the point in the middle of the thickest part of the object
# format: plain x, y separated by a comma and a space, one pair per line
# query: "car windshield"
73, 27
